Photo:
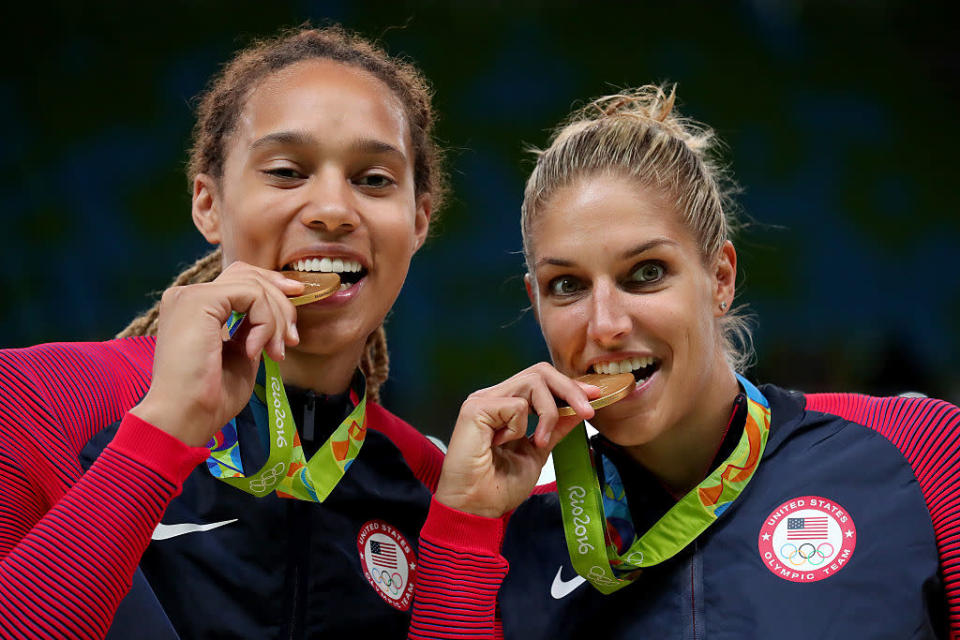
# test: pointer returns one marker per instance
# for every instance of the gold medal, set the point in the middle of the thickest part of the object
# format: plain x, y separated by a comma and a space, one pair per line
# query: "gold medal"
613, 387
318, 285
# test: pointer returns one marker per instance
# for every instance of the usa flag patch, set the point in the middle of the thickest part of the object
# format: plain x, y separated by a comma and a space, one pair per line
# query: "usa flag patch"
388, 562
807, 539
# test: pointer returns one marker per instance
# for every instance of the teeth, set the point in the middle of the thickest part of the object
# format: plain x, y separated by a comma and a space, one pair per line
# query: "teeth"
327, 265
623, 366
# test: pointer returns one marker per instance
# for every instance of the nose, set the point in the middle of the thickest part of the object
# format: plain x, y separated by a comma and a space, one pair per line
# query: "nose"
330, 205
609, 323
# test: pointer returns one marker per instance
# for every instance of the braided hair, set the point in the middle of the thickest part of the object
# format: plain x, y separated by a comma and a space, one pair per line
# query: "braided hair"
221, 105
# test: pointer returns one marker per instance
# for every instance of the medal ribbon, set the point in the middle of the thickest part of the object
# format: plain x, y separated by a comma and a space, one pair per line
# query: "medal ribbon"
586, 510
287, 471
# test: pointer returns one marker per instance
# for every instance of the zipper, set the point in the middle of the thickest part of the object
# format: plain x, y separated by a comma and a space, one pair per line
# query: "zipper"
309, 411
301, 532
296, 592
695, 627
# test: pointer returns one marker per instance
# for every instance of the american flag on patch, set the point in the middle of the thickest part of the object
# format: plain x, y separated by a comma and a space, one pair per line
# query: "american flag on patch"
809, 528
384, 554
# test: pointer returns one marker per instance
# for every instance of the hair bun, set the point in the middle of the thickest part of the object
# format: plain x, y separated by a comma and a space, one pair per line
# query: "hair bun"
653, 103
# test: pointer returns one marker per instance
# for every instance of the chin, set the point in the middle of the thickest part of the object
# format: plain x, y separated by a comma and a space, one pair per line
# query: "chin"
626, 425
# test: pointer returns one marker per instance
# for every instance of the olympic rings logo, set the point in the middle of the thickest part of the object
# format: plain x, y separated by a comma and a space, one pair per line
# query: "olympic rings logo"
269, 479
393, 582
634, 559
596, 575
806, 553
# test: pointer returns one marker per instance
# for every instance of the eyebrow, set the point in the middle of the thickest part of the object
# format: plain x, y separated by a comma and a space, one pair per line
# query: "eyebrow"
375, 147
294, 138
629, 253
369, 146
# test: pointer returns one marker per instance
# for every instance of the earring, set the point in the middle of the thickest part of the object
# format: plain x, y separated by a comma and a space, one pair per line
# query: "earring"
723, 306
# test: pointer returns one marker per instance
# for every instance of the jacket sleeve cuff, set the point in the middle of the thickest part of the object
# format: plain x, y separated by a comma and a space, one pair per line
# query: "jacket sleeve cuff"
156, 449
463, 532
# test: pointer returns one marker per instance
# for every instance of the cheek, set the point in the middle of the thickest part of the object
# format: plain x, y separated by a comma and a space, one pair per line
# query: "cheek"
563, 331
392, 225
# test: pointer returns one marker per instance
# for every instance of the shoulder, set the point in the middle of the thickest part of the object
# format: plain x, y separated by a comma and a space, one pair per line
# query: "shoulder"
925, 430
81, 384
908, 422
57, 364
130, 353
422, 456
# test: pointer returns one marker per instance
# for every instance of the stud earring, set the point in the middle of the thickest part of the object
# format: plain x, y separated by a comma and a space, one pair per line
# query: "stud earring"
723, 306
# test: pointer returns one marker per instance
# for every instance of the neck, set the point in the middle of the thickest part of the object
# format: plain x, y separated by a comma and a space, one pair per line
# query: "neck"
328, 373
681, 457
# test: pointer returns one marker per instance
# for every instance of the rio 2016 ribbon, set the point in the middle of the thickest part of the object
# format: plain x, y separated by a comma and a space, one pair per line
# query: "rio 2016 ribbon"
595, 554
287, 470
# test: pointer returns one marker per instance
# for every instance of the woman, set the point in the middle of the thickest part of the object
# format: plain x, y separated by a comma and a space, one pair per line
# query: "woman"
312, 152
706, 507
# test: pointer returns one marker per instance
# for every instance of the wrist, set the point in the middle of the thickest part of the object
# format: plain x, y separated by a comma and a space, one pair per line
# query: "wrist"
463, 503
167, 416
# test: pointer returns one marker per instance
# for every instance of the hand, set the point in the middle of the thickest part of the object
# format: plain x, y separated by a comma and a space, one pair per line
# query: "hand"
491, 466
200, 379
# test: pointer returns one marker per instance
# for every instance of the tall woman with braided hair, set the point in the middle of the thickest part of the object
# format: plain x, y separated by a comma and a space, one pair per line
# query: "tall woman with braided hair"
707, 507
246, 486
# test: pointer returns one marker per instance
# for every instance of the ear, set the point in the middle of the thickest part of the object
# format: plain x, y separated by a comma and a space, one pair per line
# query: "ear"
421, 221
206, 208
725, 279
532, 295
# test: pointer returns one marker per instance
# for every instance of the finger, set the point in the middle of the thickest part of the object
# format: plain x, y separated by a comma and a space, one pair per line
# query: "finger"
545, 406
285, 314
276, 347
564, 426
592, 390
279, 288
511, 414
242, 271
247, 296
574, 393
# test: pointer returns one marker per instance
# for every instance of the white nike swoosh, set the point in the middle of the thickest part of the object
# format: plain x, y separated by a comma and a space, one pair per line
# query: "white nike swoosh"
166, 531
561, 588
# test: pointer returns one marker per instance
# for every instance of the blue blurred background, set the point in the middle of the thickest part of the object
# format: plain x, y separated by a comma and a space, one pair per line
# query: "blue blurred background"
841, 121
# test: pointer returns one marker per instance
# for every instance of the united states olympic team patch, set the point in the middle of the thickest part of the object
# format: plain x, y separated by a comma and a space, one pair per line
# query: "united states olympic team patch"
388, 562
807, 539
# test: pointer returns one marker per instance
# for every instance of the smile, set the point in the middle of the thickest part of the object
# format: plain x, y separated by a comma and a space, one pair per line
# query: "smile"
641, 368
350, 271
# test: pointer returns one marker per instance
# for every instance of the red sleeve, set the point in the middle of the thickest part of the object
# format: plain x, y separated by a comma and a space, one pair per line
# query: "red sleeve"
927, 432
459, 575
69, 543
422, 456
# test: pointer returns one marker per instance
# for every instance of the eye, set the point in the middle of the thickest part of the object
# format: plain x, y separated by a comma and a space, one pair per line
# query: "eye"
647, 273
374, 181
284, 173
564, 286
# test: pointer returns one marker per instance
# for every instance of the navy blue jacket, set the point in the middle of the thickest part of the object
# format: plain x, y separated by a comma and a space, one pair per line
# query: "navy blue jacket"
283, 568
849, 529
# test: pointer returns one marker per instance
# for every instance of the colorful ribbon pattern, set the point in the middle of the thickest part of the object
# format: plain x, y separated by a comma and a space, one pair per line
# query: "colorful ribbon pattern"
601, 539
287, 471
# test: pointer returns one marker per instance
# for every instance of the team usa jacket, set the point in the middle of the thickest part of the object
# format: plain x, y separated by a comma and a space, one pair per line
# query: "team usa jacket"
849, 529
94, 500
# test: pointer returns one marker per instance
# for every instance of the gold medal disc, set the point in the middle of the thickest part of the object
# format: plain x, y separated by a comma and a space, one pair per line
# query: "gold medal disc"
614, 386
318, 285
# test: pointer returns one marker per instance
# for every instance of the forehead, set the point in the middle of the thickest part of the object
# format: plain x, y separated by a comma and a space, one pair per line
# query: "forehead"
604, 214
335, 101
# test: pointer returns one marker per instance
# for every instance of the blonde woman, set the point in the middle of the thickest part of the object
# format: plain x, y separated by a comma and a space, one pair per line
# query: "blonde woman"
708, 507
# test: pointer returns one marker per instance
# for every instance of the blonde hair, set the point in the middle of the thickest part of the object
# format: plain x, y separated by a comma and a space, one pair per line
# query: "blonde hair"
375, 362
638, 133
